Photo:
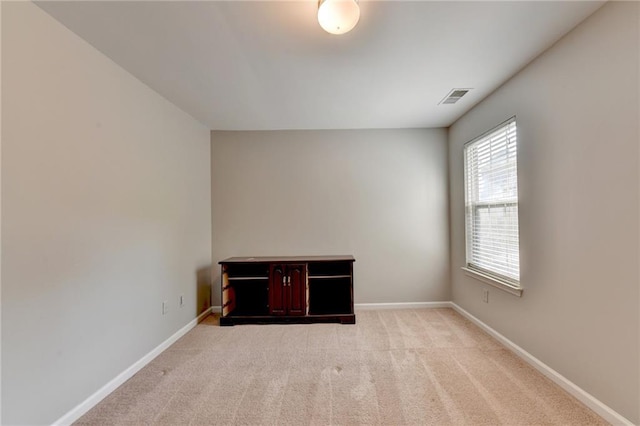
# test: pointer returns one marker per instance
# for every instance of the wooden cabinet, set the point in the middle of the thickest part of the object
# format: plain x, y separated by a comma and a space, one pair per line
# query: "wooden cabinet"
287, 289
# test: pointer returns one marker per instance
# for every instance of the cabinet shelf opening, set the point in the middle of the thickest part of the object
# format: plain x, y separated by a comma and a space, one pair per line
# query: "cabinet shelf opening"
251, 297
247, 270
329, 268
329, 296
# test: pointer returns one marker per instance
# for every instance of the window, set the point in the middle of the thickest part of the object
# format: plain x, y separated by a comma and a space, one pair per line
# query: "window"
491, 202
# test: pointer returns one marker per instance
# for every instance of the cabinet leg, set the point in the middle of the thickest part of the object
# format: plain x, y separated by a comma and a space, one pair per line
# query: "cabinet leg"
226, 322
351, 319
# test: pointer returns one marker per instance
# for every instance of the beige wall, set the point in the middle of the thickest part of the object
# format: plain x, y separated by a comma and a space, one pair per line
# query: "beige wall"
577, 116
380, 195
105, 214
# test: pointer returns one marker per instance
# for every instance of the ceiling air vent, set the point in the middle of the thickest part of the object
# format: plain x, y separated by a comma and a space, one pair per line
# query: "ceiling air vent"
454, 96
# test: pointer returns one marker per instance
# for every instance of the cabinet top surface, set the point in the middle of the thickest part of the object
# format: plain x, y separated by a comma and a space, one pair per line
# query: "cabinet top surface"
283, 259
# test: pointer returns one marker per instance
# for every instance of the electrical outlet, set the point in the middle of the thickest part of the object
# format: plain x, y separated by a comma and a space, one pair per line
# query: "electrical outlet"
165, 307
181, 300
485, 295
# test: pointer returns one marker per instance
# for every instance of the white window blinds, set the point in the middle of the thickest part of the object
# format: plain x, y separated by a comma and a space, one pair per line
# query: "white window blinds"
491, 200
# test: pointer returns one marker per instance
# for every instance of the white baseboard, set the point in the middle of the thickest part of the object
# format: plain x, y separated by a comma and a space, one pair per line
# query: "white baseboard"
402, 305
587, 399
104, 391
216, 309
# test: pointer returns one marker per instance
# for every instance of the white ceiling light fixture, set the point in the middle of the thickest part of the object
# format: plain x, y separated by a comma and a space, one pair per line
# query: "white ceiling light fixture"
338, 16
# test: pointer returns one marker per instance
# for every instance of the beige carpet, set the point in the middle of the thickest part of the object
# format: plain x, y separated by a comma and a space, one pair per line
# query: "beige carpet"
394, 367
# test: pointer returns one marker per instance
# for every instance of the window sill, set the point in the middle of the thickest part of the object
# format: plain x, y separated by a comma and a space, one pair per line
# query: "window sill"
495, 282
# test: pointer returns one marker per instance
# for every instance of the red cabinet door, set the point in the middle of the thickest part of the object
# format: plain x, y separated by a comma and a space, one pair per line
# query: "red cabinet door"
288, 289
277, 290
296, 289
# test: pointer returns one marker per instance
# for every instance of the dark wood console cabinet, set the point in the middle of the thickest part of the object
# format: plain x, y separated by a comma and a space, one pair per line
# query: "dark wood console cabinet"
292, 289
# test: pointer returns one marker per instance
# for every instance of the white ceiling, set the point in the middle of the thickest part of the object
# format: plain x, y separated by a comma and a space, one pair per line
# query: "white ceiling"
245, 65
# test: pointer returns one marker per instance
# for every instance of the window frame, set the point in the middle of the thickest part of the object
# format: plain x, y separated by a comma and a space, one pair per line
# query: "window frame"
488, 276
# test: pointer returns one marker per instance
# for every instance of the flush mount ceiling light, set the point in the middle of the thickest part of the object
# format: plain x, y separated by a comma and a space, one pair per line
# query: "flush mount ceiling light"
338, 16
